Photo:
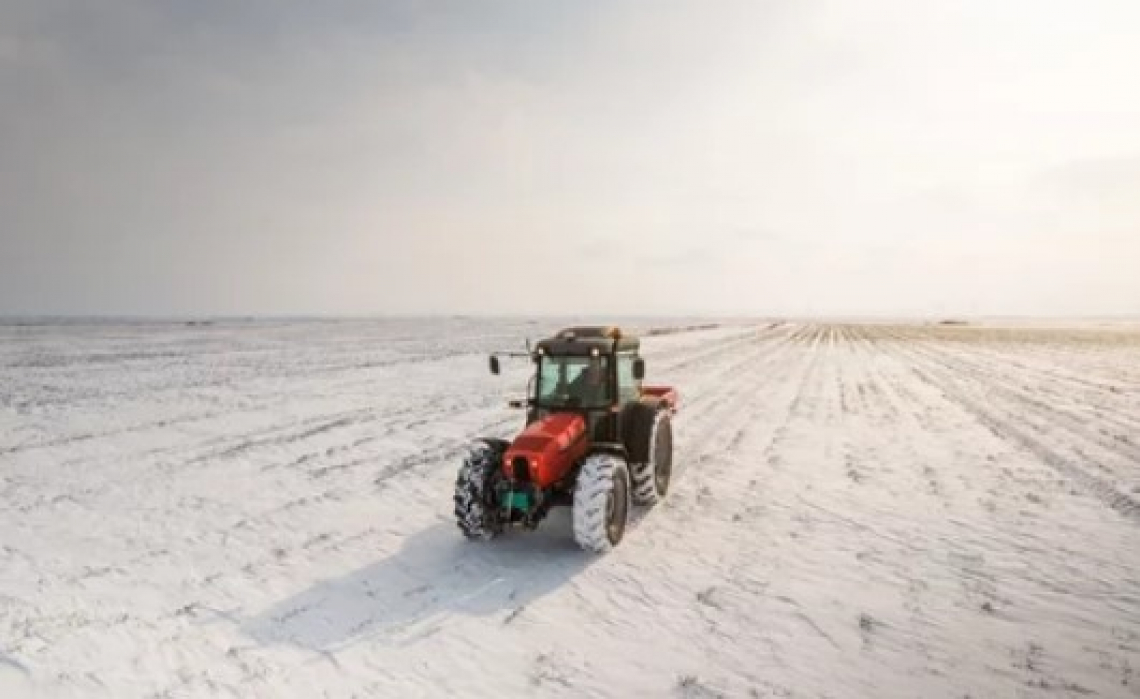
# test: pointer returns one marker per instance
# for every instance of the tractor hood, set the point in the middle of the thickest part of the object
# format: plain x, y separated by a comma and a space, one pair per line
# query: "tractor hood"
546, 449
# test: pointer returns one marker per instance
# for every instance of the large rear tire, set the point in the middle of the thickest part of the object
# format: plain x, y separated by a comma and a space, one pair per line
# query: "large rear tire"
651, 477
601, 502
476, 512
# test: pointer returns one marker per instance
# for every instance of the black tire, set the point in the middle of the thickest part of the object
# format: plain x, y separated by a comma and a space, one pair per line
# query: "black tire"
651, 477
475, 510
601, 502
637, 427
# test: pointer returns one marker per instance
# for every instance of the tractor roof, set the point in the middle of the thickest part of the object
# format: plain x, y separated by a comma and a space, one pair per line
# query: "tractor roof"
606, 339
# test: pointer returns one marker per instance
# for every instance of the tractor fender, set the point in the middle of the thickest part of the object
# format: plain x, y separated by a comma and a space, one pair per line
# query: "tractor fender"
665, 396
613, 448
499, 445
655, 402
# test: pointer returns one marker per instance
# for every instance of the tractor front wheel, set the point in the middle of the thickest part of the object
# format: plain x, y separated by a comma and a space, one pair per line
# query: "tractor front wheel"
601, 502
475, 510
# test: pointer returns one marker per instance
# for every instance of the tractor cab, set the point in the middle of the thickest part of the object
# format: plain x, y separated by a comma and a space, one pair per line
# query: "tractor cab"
592, 370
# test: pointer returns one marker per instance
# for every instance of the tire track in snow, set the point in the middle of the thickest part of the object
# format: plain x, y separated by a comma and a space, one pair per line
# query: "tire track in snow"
923, 413
910, 409
1074, 400
991, 407
800, 499
713, 408
706, 497
997, 381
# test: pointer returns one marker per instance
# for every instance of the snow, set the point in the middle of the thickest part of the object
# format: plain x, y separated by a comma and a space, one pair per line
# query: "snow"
263, 509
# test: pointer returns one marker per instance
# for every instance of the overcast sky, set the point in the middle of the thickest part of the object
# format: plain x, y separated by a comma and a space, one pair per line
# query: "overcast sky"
762, 157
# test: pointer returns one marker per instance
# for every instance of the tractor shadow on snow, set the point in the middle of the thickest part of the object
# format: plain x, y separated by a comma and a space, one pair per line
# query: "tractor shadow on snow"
434, 577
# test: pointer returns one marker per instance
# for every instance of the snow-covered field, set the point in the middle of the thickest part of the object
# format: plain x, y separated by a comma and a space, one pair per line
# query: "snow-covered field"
264, 510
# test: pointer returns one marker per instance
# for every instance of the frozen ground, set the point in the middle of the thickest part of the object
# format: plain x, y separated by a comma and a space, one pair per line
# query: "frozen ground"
263, 510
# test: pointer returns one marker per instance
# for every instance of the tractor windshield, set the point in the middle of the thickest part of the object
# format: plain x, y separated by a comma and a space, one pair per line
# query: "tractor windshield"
573, 382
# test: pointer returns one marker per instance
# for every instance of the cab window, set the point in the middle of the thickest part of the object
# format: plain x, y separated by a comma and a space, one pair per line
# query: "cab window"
629, 388
573, 382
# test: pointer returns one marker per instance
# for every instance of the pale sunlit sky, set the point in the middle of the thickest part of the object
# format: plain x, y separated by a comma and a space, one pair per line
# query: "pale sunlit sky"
784, 157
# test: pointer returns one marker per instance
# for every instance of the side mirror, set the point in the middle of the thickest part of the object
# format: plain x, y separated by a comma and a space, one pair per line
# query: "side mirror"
494, 365
638, 369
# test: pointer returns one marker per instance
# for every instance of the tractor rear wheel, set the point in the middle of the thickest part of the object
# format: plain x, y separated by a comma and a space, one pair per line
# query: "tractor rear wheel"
475, 510
651, 477
601, 502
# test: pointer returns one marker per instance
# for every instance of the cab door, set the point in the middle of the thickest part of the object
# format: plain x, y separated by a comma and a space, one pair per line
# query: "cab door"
628, 393
629, 388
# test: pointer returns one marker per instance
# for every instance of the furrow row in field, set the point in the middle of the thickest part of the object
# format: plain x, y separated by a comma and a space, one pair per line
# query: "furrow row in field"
1100, 358
1109, 408
716, 425
1041, 403
1054, 438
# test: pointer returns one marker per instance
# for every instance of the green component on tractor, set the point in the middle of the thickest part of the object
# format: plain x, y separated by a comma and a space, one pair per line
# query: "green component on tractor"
516, 500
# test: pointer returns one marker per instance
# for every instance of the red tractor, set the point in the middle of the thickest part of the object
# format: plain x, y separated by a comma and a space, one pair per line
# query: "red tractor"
595, 439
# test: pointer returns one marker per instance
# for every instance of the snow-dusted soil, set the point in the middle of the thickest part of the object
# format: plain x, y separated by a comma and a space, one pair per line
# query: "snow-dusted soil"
264, 510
